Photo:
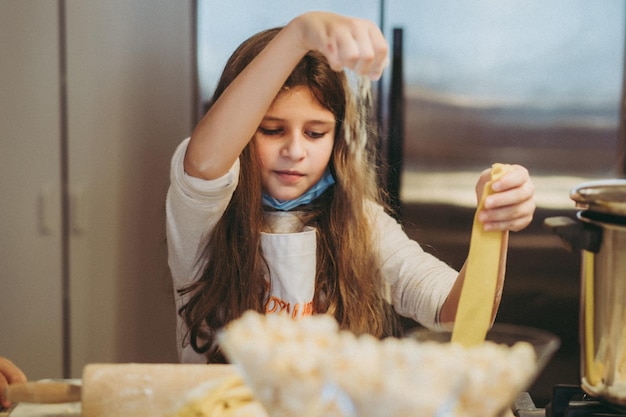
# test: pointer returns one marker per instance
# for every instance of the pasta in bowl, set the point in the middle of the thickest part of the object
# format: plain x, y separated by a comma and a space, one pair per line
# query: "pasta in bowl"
309, 367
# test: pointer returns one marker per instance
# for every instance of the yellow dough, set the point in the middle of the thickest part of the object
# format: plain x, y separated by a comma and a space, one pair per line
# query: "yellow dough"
473, 317
232, 398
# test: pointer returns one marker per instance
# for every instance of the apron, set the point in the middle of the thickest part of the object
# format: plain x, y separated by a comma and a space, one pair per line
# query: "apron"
290, 253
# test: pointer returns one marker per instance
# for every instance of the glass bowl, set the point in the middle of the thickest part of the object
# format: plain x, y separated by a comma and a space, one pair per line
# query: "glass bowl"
309, 367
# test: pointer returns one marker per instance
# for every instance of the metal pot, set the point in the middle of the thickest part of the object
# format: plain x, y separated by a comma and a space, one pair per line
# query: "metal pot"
600, 234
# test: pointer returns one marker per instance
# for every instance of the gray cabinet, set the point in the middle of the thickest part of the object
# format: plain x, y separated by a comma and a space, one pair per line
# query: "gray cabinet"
109, 123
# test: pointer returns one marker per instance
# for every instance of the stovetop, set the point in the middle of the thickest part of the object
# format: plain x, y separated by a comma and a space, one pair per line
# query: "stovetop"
566, 401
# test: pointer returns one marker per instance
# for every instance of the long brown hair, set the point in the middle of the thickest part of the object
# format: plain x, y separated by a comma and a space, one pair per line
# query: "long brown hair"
348, 283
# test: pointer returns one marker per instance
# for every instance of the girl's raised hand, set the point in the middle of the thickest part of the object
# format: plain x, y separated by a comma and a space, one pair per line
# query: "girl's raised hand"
512, 205
346, 42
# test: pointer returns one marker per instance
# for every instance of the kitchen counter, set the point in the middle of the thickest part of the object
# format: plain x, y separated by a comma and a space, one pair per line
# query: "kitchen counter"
74, 410
43, 410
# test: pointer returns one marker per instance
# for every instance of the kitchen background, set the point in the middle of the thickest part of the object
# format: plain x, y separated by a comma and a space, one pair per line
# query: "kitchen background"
96, 95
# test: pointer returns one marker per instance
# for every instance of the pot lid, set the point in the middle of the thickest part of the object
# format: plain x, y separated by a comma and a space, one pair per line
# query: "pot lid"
606, 196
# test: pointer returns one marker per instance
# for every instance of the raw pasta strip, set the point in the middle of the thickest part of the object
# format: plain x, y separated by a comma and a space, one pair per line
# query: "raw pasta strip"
594, 368
473, 317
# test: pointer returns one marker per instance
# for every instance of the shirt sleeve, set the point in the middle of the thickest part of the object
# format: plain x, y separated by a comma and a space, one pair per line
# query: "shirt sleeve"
193, 207
419, 282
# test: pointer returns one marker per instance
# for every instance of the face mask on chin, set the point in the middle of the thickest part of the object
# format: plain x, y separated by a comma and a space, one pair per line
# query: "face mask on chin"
311, 194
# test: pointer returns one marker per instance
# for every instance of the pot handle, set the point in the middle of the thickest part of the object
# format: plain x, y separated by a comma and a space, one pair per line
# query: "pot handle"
576, 235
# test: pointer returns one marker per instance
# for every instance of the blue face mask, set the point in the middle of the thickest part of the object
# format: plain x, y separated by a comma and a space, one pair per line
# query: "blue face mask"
311, 194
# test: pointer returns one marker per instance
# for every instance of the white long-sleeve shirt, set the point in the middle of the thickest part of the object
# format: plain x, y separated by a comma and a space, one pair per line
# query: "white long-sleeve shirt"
419, 282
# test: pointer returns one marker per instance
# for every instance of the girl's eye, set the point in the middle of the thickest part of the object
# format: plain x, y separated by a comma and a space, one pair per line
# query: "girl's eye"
316, 135
269, 132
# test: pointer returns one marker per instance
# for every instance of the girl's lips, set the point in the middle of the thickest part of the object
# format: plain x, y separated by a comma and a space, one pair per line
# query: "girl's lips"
289, 176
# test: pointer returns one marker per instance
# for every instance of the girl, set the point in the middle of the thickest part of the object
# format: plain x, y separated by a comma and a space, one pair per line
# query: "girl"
273, 204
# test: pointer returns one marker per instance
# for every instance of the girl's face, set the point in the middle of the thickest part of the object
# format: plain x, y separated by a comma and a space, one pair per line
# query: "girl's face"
294, 143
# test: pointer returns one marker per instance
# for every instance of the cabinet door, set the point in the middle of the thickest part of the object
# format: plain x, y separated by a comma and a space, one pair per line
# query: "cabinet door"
130, 97
30, 215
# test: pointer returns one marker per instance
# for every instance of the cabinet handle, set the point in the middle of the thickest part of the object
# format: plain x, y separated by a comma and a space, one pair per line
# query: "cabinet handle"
44, 208
77, 215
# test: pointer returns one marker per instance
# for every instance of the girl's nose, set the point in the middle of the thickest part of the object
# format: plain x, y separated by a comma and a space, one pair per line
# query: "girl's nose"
293, 147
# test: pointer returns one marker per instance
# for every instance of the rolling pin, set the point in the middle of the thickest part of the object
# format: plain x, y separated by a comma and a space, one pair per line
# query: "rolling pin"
125, 390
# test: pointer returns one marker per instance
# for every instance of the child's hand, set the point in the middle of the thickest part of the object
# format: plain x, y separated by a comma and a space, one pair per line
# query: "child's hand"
9, 374
512, 205
353, 43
